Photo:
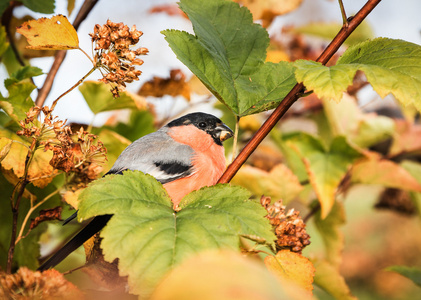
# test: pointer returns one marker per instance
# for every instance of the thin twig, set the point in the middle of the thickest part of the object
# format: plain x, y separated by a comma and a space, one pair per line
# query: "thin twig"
312, 212
75, 269
5, 21
73, 87
60, 55
86, 54
28, 215
343, 13
235, 143
294, 94
15, 205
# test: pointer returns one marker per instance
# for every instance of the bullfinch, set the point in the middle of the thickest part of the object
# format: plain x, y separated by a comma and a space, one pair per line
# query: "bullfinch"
184, 155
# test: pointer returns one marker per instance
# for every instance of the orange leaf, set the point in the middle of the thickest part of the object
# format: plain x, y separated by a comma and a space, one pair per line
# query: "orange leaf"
50, 34
292, 266
384, 172
267, 10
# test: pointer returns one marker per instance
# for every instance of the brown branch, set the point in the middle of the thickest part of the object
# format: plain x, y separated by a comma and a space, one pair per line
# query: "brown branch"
60, 55
15, 206
296, 91
5, 21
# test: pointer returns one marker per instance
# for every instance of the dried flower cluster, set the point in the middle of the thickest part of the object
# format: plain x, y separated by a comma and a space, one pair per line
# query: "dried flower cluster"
112, 43
31, 127
80, 153
289, 227
27, 284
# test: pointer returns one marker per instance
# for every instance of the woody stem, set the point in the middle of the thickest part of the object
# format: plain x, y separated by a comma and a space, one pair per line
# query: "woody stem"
73, 87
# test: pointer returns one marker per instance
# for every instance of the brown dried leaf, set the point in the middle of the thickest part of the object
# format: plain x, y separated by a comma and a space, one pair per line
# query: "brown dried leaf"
174, 86
47, 215
292, 266
169, 9
50, 34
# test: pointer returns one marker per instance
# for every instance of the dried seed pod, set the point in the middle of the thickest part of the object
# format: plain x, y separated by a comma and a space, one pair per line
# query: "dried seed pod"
288, 226
114, 56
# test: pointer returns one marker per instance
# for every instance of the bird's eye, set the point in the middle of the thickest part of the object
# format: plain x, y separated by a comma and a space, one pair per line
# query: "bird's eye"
202, 124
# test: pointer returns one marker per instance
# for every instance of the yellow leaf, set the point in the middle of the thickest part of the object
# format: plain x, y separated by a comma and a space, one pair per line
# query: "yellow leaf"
250, 122
276, 56
72, 198
267, 10
196, 86
224, 275
279, 183
5, 145
13, 179
50, 34
329, 279
293, 267
39, 167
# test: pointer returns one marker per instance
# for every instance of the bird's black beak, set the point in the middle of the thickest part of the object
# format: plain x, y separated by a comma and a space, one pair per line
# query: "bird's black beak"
223, 132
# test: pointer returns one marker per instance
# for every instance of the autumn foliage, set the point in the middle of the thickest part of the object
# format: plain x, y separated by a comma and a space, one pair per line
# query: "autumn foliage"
328, 204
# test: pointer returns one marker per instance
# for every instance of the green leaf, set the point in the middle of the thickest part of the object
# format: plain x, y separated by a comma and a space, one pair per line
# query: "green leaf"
4, 44
155, 237
345, 118
19, 100
391, 66
412, 273
329, 279
292, 158
325, 167
228, 57
329, 30
27, 250
22, 74
140, 123
415, 170
114, 143
99, 98
332, 236
41, 6
3, 5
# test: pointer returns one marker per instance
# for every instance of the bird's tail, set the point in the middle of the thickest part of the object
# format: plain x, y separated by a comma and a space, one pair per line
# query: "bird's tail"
81, 237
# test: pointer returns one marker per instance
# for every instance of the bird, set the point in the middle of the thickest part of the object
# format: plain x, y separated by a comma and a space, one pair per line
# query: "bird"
184, 155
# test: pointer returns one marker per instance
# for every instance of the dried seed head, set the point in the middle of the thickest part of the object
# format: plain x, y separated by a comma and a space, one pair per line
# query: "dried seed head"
27, 284
114, 56
288, 226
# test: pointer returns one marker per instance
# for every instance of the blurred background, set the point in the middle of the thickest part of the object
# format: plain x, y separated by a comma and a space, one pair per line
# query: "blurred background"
374, 239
